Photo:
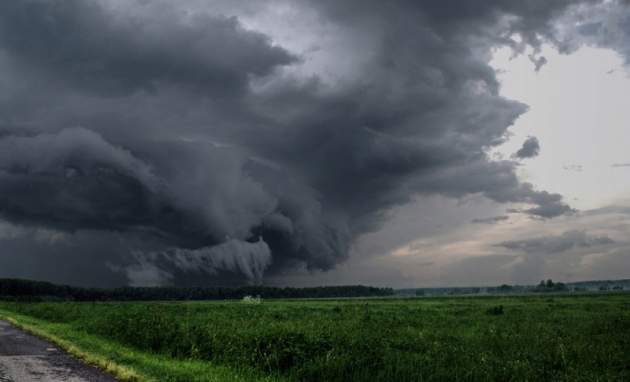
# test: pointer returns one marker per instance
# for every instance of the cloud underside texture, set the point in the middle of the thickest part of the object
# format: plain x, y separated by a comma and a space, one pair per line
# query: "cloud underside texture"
195, 138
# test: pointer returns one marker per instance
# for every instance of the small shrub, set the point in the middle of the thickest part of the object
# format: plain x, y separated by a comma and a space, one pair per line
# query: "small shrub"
495, 310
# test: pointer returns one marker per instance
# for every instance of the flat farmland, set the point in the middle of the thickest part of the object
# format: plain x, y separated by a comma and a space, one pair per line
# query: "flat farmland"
517, 338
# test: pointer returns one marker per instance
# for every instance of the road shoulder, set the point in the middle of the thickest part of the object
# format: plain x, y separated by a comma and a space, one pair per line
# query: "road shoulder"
25, 357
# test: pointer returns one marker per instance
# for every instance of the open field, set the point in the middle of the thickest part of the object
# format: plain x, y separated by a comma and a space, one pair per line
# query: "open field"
568, 338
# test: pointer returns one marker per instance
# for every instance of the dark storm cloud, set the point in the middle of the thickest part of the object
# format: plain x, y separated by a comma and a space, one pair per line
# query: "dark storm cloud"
73, 178
530, 148
606, 25
533, 20
197, 139
79, 43
85, 258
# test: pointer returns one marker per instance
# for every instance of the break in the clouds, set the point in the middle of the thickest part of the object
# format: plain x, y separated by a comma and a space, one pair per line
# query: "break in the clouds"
219, 151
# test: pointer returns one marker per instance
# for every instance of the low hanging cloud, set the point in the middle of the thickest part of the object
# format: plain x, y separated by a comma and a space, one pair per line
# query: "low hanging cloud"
248, 259
210, 145
538, 62
530, 149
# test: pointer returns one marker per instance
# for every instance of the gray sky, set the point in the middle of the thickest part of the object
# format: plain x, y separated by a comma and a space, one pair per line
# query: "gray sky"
314, 142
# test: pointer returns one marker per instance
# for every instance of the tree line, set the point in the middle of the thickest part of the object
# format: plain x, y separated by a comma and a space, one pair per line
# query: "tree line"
18, 289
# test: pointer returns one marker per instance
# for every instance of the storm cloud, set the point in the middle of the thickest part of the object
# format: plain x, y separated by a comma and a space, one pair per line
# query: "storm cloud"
221, 154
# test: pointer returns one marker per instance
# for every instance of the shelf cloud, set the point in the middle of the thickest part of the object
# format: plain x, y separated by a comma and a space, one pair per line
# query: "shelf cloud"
197, 139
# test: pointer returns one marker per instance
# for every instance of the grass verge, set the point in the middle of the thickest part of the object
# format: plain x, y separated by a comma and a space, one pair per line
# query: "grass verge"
125, 363
525, 338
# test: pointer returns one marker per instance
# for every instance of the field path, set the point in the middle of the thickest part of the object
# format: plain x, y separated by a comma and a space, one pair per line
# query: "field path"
26, 358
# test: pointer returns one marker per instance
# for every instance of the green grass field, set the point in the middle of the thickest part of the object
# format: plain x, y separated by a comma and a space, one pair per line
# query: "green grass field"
537, 338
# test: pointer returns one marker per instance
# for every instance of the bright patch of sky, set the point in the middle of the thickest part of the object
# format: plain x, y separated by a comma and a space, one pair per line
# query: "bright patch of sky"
579, 110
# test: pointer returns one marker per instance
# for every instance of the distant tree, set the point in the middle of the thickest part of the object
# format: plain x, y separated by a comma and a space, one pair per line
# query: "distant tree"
419, 292
560, 287
550, 286
495, 310
13, 288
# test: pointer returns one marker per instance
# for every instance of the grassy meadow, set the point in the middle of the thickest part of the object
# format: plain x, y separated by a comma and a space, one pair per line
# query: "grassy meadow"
526, 338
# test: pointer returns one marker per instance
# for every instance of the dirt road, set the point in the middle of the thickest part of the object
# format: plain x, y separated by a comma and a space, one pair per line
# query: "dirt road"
26, 358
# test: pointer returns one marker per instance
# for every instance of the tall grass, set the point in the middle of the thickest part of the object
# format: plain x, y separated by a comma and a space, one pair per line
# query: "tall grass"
496, 339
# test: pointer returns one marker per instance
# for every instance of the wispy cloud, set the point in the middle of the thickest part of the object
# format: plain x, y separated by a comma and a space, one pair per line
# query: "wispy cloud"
573, 167
491, 220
